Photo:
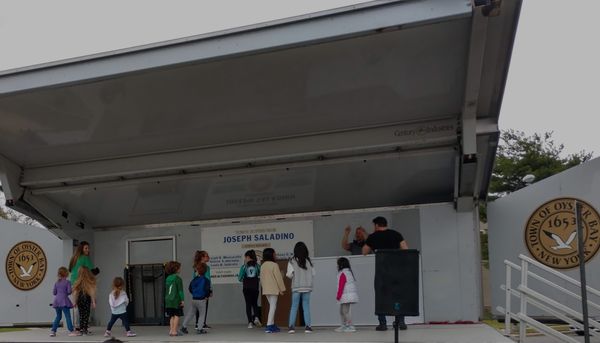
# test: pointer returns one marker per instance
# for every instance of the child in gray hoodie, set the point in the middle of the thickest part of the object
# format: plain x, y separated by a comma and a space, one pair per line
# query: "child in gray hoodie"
300, 270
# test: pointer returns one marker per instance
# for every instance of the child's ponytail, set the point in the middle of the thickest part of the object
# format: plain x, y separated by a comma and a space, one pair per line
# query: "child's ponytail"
118, 283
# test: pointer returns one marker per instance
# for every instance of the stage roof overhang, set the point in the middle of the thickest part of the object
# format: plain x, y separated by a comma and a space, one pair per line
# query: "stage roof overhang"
374, 105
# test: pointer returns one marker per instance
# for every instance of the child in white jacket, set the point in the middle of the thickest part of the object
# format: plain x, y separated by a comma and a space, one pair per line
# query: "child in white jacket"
347, 294
118, 301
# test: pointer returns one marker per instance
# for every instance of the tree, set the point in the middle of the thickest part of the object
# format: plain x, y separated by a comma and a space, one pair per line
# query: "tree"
10, 214
3, 214
519, 155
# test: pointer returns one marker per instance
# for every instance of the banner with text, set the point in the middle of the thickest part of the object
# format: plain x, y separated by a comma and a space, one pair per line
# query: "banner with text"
226, 245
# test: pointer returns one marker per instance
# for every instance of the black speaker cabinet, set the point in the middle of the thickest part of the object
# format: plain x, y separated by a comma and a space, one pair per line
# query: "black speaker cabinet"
397, 282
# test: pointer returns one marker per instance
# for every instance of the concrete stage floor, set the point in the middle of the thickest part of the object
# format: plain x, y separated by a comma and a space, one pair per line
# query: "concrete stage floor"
472, 333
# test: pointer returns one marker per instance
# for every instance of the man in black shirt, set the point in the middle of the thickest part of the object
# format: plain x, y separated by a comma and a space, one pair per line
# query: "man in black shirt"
384, 238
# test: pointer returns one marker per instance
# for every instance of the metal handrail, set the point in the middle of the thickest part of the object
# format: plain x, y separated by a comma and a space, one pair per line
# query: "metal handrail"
544, 328
527, 296
552, 284
559, 274
548, 309
565, 309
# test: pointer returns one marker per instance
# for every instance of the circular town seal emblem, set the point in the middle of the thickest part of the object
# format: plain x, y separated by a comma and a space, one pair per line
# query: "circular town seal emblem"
26, 265
551, 233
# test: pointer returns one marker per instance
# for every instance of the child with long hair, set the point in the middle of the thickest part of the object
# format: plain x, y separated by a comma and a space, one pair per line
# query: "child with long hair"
272, 286
118, 301
62, 303
201, 256
347, 294
249, 277
200, 289
300, 270
84, 293
173, 296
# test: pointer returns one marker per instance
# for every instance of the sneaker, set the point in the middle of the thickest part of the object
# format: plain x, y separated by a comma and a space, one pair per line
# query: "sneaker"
402, 326
257, 322
196, 327
107, 333
291, 330
275, 328
349, 328
381, 327
308, 329
73, 334
206, 327
250, 326
201, 331
340, 329
185, 330
269, 329
130, 334
52, 334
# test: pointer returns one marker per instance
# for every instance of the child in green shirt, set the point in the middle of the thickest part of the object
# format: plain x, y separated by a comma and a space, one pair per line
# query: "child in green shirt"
173, 296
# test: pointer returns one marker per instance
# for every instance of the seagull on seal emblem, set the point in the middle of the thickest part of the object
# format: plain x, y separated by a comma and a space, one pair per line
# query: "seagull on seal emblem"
559, 241
26, 273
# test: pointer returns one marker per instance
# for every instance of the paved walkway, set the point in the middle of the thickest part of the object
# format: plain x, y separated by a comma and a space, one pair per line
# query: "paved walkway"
474, 333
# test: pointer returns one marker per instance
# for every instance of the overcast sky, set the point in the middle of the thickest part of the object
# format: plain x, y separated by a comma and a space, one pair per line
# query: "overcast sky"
552, 83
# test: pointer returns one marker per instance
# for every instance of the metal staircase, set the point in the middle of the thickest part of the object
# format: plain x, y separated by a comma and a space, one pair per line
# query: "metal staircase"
529, 296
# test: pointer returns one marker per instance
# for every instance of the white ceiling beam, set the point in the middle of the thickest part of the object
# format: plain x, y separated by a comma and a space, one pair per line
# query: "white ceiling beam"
287, 150
479, 26
468, 162
237, 171
61, 221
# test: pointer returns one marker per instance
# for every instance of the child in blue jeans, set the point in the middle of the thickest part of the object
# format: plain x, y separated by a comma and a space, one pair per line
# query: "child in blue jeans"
300, 270
62, 303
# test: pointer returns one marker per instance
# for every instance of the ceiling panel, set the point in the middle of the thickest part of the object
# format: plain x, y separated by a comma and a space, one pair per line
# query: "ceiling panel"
374, 80
408, 179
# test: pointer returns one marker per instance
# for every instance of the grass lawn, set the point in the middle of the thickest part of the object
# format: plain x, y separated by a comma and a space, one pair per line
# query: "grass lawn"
489, 320
11, 329
515, 327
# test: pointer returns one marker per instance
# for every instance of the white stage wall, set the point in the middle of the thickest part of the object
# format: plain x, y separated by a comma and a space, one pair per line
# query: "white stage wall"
19, 307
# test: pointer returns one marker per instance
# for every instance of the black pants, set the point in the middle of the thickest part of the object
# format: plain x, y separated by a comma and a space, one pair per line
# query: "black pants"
251, 297
383, 321
113, 319
84, 303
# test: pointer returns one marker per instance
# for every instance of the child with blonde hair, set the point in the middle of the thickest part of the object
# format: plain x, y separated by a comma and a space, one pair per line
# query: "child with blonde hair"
62, 303
84, 293
118, 301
